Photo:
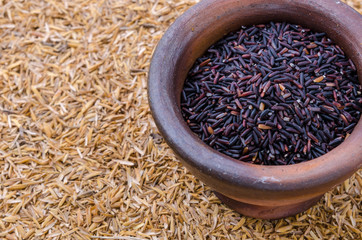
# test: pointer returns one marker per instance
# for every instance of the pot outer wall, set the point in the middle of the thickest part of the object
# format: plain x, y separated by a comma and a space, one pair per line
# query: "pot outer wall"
259, 191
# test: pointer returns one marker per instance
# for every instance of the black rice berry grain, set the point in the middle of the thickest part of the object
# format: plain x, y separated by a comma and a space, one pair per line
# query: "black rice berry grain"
272, 94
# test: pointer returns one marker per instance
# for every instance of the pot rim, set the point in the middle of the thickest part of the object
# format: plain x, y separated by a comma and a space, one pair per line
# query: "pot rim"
322, 172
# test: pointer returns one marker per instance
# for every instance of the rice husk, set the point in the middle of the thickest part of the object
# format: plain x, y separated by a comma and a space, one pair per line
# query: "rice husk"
80, 156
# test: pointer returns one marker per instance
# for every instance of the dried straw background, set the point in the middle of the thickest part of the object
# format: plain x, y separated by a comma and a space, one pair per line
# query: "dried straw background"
80, 156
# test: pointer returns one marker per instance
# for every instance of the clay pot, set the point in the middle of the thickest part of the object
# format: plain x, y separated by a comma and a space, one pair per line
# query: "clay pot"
267, 192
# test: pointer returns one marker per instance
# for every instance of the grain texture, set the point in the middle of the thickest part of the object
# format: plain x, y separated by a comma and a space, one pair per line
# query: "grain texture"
80, 156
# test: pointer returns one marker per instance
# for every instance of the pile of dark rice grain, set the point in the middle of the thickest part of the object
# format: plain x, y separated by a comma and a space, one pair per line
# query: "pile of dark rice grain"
273, 94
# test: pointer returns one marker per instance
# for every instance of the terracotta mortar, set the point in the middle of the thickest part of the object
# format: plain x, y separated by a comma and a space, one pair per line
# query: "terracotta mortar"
267, 192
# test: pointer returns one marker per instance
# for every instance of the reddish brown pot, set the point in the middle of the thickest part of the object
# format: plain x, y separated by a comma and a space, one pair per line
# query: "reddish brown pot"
254, 190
